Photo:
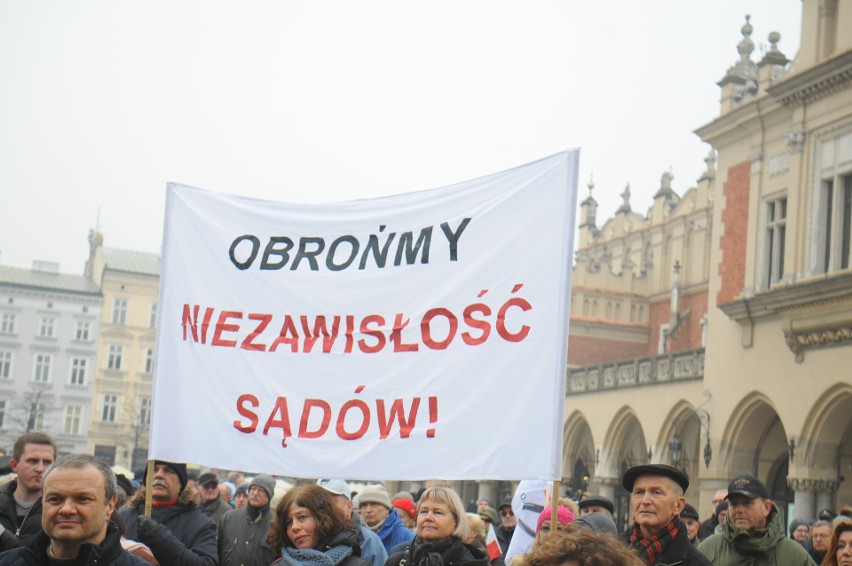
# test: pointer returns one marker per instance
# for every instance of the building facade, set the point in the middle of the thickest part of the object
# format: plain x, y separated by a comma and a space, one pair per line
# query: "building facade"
121, 399
49, 323
714, 332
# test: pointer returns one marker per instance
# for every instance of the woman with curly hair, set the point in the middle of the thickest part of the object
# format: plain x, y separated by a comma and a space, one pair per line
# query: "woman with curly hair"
579, 547
309, 532
440, 534
840, 548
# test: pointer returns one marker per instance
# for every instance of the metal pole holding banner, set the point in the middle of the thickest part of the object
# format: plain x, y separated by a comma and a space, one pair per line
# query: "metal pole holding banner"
149, 482
554, 504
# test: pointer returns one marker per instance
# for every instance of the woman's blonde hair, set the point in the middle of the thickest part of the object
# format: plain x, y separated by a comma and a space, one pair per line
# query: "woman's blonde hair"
451, 499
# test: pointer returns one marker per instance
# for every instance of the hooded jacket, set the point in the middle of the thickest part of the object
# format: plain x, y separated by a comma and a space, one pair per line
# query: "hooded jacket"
769, 546
179, 534
9, 519
108, 553
242, 537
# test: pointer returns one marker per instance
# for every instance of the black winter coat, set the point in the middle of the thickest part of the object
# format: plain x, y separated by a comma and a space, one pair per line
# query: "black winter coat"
458, 554
108, 553
9, 519
180, 534
242, 540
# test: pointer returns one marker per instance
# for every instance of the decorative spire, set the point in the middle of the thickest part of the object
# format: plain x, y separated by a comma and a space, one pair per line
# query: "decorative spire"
590, 208
710, 170
774, 57
744, 72
665, 190
625, 207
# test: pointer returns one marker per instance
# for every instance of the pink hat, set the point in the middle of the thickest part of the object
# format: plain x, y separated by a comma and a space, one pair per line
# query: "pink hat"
563, 515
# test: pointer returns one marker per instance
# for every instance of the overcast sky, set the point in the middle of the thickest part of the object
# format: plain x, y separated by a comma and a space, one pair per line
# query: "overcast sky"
104, 102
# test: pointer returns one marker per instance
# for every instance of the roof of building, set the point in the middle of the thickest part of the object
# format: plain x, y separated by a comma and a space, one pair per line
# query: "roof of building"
131, 261
47, 280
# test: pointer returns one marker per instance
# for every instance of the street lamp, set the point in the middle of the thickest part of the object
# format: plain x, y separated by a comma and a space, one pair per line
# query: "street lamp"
676, 444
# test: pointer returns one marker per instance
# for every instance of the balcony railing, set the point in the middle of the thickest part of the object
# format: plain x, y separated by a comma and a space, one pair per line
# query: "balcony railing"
685, 365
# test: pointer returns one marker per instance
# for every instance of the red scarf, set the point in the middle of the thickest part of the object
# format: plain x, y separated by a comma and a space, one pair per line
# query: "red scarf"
651, 549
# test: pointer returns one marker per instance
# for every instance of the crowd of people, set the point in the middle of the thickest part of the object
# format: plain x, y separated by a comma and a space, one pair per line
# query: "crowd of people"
74, 510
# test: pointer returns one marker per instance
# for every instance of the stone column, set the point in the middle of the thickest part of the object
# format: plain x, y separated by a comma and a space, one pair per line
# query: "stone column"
803, 497
488, 490
825, 494
606, 487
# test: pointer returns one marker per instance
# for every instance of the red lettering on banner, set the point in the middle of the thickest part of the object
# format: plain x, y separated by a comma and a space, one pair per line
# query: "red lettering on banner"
397, 412
310, 404
276, 421
223, 326
301, 332
396, 336
353, 419
288, 335
375, 333
248, 343
320, 328
246, 413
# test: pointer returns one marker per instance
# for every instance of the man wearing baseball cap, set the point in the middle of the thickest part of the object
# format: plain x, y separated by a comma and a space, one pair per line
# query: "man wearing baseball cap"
658, 535
753, 531
372, 549
211, 504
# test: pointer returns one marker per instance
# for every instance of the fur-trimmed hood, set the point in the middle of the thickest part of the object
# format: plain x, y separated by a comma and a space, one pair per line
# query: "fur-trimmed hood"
189, 496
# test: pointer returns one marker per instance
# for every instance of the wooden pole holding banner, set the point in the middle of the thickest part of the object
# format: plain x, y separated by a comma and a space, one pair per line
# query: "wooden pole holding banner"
149, 482
554, 503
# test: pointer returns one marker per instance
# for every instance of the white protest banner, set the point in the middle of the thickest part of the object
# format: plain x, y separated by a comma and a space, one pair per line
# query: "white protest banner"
416, 336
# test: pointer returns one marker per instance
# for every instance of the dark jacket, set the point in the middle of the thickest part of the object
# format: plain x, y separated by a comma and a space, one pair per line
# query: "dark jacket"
680, 551
766, 546
242, 537
344, 538
504, 538
9, 519
179, 534
216, 509
109, 552
457, 554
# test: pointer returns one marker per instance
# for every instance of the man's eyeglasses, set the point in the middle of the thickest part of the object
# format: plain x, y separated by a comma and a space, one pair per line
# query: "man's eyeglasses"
506, 513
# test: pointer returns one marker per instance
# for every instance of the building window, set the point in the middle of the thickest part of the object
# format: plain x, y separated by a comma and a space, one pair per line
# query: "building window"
119, 311
831, 231
110, 407
83, 328
836, 222
7, 323
35, 420
114, 356
149, 360
73, 417
41, 372
2, 413
5, 364
776, 236
152, 317
78, 371
47, 327
145, 411
105, 453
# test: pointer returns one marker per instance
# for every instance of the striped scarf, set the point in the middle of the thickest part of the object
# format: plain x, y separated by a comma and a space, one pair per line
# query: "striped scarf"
651, 549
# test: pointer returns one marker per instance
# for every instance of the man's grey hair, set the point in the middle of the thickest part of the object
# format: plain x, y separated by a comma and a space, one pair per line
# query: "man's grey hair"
81, 461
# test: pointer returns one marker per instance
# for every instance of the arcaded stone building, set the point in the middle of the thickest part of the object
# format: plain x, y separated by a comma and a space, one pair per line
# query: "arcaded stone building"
715, 331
